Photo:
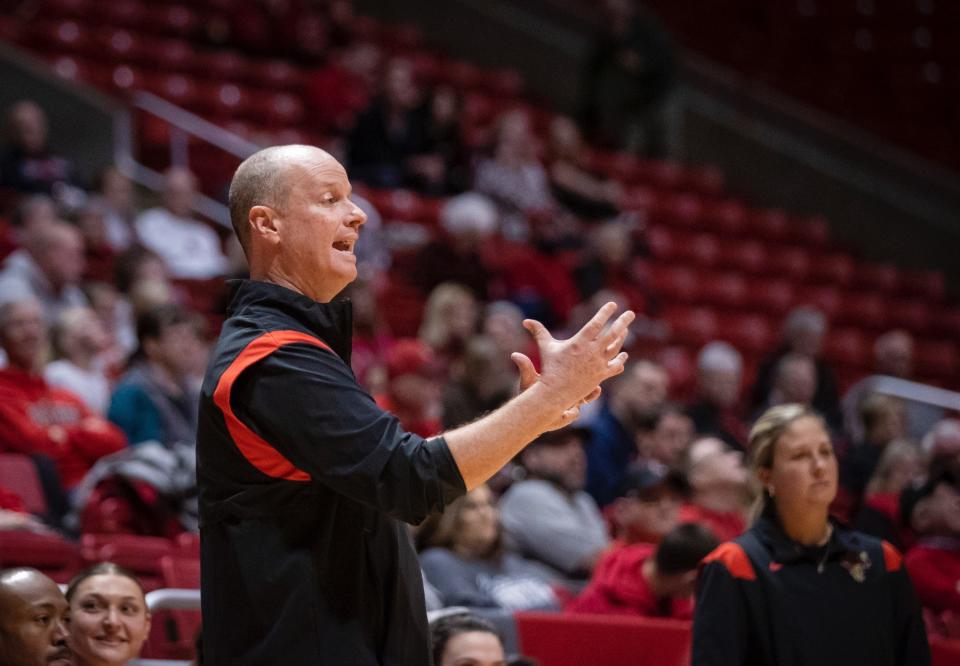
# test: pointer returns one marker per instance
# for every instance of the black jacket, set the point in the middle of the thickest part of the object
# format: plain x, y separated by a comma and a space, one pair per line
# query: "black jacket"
303, 484
764, 600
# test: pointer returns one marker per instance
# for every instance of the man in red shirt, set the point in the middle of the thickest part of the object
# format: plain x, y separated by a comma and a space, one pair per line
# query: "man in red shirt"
647, 580
36, 418
718, 488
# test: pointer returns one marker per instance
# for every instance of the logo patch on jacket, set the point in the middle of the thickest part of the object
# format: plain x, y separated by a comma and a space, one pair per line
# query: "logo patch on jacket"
857, 564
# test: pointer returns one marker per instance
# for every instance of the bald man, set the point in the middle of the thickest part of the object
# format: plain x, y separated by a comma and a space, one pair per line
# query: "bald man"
304, 482
33, 613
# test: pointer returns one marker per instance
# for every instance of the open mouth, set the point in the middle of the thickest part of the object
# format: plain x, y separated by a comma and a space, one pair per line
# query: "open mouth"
344, 246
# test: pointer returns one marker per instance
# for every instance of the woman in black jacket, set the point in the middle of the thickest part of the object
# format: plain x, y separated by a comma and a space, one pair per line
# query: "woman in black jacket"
798, 589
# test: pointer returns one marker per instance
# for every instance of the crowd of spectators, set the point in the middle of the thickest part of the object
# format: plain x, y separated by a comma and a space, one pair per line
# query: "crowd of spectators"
104, 345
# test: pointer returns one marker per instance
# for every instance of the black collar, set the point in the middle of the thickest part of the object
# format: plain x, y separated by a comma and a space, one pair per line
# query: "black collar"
331, 322
787, 551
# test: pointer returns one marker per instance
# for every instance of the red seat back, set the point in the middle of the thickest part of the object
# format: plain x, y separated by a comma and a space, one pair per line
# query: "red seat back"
573, 640
19, 475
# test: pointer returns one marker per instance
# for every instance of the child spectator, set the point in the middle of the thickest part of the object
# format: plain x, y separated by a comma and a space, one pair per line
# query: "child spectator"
413, 387
647, 580
466, 563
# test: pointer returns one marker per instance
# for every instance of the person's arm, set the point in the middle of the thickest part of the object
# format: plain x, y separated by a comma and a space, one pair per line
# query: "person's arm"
936, 587
572, 372
720, 631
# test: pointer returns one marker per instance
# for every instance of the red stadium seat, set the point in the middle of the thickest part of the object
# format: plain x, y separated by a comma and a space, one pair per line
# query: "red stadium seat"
749, 333
813, 231
173, 20
692, 326
220, 66
794, 262
554, 639
882, 277
848, 346
279, 110
277, 74
676, 283
746, 255
863, 309
123, 14
178, 628
19, 475
938, 359
50, 553
175, 88
701, 249
60, 37
825, 298
911, 314
727, 217
771, 225
836, 269
929, 285
725, 290
140, 554
774, 297
55, 9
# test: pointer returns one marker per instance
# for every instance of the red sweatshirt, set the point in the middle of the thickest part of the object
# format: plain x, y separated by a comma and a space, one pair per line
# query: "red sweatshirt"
618, 587
37, 418
725, 526
934, 567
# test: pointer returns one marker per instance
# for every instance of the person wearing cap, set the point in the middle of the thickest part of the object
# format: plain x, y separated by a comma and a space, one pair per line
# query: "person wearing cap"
305, 483
413, 387
932, 510
648, 580
798, 589
548, 516
647, 505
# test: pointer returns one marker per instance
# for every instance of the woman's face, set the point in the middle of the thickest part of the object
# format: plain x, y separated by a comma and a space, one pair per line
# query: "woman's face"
109, 621
478, 523
804, 469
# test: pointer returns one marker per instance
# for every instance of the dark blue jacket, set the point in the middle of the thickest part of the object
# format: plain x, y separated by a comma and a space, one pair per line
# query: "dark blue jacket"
764, 600
304, 488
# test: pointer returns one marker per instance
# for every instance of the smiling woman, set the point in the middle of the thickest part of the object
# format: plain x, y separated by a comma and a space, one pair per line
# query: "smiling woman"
109, 619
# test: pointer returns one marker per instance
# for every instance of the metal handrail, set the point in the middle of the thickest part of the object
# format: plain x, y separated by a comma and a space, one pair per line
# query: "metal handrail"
169, 599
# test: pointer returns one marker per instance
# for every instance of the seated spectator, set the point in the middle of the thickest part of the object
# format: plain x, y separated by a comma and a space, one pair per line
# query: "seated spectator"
388, 145
78, 341
33, 620
371, 337
882, 420
633, 396
14, 515
663, 439
893, 354
27, 164
485, 380
47, 269
803, 333
444, 108
719, 374
933, 511
36, 418
719, 488
467, 221
372, 249
548, 516
794, 381
587, 195
941, 446
99, 254
646, 580
647, 506
463, 639
514, 176
339, 91
465, 561
609, 264
33, 212
449, 321
879, 514
190, 249
155, 399
109, 618
503, 323
413, 387
117, 197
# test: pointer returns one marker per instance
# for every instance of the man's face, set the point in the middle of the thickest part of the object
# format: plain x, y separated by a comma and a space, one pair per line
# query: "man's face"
179, 193
30, 128
644, 390
318, 227
32, 622
63, 260
176, 349
23, 334
797, 381
720, 387
563, 462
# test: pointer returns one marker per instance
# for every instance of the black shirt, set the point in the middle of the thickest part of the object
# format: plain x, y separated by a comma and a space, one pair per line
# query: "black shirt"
764, 600
304, 483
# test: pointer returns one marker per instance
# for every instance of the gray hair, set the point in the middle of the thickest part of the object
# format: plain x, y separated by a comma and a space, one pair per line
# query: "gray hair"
469, 212
804, 318
719, 356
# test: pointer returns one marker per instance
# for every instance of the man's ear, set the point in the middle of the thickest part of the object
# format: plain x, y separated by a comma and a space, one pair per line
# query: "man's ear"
264, 223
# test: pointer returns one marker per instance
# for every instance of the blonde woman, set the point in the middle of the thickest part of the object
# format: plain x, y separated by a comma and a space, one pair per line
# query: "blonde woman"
797, 589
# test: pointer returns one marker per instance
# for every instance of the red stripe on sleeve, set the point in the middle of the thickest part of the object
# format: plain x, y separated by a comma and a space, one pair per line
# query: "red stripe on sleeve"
891, 557
254, 448
734, 558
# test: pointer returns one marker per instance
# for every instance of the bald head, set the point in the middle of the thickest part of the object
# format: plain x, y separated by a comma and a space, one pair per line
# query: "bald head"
32, 614
265, 179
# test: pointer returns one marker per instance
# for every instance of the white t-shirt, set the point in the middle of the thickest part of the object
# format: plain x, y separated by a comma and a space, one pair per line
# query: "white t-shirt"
190, 249
91, 386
